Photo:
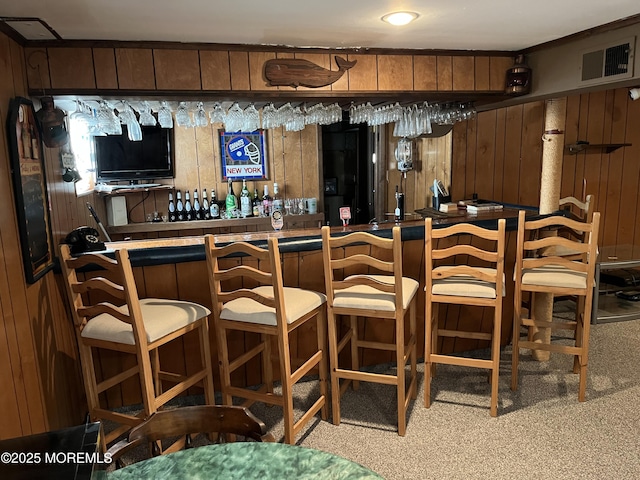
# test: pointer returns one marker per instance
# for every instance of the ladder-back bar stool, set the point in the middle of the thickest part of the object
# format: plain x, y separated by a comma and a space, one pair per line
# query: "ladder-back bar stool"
108, 314
481, 284
542, 266
384, 295
248, 296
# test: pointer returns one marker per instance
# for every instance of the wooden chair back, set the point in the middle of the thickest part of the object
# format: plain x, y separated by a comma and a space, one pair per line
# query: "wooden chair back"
255, 267
537, 242
375, 255
490, 255
88, 296
583, 210
227, 422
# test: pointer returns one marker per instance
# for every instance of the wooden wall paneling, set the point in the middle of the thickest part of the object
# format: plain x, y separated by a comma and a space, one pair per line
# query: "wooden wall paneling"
471, 169
572, 122
257, 79
18, 66
593, 160
290, 183
311, 165
37, 64
463, 71
277, 151
410, 190
531, 166
22, 376
458, 161
611, 217
485, 176
209, 165
425, 73
500, 179
481, 69
628, 231
135, 69
498, 67
603, 177
444, 72
186, 155
104, 63
71, 68
215, 70
583, 124
323, 60
512, 152
239, 65
395, 72
176, 69
363, 76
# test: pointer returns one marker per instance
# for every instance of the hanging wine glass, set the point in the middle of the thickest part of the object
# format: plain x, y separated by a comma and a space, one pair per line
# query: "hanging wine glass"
183, 117
233, 120
146, 118
200, 116
164, 116
251, 119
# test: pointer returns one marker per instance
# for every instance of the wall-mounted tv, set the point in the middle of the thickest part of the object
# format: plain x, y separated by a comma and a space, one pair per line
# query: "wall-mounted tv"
118, 158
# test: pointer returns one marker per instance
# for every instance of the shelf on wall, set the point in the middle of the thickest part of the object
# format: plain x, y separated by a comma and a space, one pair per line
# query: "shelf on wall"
594, 147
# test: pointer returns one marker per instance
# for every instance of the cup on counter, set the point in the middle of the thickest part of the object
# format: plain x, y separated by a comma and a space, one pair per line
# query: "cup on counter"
311, 206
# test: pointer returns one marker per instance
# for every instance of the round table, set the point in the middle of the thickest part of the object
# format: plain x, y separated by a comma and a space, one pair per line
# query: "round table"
246, 461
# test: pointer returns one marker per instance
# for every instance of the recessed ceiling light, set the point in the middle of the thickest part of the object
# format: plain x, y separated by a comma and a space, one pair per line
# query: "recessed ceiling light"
400, 18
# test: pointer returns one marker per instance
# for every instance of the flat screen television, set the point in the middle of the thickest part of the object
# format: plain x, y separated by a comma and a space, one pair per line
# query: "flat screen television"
118, 158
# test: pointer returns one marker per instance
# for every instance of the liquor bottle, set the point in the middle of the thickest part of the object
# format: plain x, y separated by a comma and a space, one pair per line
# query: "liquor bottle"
214, 208
245, 200
205, 213
172, 209
266, 201
35, 149
255, 203
197, 212
231, 202
188, 211
277, 201
179, 207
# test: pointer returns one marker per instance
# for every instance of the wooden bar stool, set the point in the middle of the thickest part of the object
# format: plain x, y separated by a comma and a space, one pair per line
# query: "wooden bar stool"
481, 285
134, 326
542, 265
372, 296
248, 296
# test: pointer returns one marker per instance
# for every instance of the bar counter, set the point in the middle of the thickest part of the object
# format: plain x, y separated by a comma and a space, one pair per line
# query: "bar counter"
158, 251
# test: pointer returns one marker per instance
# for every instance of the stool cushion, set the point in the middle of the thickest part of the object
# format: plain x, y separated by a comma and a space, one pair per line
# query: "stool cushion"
297, 303
161, 317
370, 298
554, 276
466, 285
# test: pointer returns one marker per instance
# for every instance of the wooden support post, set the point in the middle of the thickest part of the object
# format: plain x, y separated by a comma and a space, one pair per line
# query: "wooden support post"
552, 151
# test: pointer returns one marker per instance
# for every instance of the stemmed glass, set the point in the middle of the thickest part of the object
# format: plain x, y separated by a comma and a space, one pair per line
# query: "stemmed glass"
217, 115
233, 120
164, 116
146, 118
201, 119
107, 120
183, 117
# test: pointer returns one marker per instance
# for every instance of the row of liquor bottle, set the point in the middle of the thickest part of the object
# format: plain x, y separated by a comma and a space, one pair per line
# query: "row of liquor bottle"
210, 208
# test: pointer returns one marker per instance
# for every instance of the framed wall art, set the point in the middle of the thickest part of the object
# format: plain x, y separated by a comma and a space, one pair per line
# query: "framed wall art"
30, 189
243, 155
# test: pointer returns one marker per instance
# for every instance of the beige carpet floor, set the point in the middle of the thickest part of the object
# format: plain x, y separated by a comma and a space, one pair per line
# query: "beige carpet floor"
541, 432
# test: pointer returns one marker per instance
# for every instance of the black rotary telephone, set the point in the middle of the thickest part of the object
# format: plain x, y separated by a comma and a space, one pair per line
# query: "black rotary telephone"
84, 239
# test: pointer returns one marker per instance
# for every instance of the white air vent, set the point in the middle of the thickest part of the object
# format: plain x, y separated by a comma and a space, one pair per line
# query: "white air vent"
608, 63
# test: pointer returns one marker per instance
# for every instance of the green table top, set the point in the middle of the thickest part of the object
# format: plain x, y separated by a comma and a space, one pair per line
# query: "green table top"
246, 461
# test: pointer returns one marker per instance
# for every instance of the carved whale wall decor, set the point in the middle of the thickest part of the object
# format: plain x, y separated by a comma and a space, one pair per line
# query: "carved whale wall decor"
295, 72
